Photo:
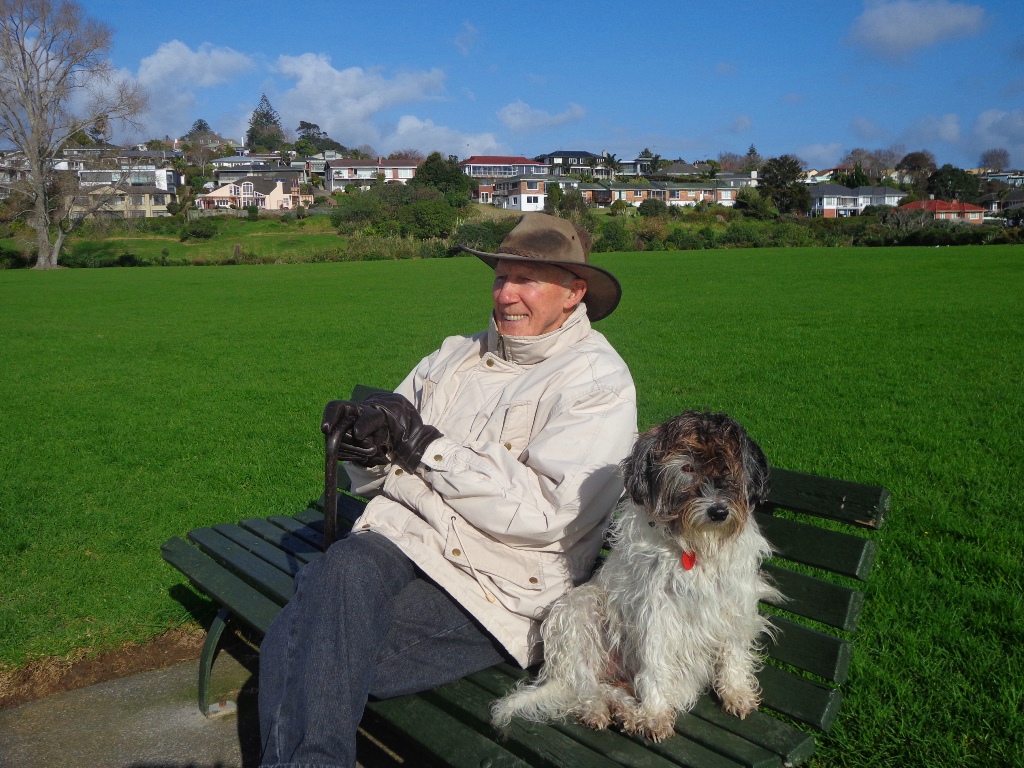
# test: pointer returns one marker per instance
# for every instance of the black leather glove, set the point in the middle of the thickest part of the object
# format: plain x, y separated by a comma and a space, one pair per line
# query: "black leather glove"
365, 447
407, 435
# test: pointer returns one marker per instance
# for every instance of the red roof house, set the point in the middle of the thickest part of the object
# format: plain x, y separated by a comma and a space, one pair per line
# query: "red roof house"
941, 209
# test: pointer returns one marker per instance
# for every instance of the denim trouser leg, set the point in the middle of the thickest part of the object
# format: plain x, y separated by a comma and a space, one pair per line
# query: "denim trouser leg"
361, 622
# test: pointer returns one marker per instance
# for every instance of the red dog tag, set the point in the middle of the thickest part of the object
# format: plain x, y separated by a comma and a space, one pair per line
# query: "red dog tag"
689, 559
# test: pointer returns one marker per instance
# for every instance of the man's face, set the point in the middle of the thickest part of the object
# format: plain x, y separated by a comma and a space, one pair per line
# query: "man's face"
533, 299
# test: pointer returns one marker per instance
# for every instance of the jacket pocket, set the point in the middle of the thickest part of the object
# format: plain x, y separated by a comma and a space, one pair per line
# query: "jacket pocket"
509, 569
515, 430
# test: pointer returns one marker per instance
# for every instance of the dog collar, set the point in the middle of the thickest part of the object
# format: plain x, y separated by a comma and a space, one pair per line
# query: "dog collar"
689, 559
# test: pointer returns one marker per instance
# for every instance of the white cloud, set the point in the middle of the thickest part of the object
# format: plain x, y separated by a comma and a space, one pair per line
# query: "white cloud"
343, 102
996, 128
820, 155
520, 117
865, 129
894, 30
428, 137
173, 75
740, 124
930, 129
467, 38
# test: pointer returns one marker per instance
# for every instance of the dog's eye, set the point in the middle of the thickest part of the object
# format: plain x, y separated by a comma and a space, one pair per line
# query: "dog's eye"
687, 469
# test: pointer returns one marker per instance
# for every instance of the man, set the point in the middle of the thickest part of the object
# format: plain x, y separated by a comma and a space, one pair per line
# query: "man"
493, 470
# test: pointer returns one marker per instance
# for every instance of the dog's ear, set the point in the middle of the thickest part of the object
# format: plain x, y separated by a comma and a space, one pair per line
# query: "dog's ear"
755, 466
638, 468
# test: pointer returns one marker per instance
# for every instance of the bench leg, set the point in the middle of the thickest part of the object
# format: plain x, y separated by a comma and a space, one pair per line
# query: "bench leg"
206, 659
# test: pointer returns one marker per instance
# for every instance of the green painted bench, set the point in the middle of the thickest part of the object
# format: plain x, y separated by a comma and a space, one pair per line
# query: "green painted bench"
815, 524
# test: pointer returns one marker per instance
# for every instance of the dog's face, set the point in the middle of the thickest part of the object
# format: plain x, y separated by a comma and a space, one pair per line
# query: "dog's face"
698, 474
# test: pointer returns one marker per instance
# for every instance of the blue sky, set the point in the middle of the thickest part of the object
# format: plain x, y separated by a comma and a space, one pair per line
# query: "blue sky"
685, 79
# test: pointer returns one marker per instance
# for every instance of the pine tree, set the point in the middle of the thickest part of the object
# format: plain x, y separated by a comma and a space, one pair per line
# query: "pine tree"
265, 133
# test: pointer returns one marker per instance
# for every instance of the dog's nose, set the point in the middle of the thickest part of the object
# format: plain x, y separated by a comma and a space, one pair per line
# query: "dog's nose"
718, 512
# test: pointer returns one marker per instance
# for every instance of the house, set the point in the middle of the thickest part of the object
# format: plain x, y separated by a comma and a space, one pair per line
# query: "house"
502, 166
942, 210
266, 194
833, 201
635, 192
343, 171
683, 169
166, 179
681, 193
520, 193
104, 201
565, 162
1010, 178
994, 202
13, 169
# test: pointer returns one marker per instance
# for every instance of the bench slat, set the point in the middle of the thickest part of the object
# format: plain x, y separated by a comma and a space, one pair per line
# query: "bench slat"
283, 561
288, 542
817, 599
535, 743
243, 601
441, 735
256, 572
799, 697
613, 744
787, 741
305, 532
819, 547
725, 742
808, 649
854, 503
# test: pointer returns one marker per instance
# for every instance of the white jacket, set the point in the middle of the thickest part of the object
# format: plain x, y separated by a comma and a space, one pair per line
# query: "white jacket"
508, 509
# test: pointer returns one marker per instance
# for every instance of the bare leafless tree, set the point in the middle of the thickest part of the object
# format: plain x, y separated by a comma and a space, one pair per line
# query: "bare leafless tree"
56, 80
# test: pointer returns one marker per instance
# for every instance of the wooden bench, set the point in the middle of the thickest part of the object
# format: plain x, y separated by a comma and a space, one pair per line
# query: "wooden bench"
815, 525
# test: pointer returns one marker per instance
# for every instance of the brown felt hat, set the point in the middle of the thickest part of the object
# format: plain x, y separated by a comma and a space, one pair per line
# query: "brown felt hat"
551, 240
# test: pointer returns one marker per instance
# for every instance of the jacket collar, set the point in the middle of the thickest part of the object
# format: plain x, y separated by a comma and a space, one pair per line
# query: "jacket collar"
528, 350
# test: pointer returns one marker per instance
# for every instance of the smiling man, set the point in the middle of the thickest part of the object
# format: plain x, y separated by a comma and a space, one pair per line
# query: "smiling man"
493, 471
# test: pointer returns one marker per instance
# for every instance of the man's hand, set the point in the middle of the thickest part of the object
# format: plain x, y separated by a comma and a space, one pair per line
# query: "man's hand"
358, 441
407, 435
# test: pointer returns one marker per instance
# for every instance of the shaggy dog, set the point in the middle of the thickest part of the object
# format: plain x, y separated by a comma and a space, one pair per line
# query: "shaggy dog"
674, 607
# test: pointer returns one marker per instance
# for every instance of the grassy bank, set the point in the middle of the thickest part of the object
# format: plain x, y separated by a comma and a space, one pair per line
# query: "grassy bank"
141, 403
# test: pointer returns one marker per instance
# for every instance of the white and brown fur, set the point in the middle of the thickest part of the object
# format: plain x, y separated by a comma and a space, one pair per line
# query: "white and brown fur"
645, 637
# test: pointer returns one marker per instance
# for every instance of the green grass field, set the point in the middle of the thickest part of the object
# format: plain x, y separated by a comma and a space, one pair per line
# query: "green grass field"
141, 403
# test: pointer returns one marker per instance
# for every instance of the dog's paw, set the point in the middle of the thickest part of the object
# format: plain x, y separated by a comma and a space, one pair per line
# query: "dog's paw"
595, 719
654, 727
739, 703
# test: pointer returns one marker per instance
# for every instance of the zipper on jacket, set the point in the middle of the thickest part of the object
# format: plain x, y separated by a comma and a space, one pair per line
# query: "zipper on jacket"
490, 598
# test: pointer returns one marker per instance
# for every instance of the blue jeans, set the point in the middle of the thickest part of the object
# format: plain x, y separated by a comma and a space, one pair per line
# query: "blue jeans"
362, 622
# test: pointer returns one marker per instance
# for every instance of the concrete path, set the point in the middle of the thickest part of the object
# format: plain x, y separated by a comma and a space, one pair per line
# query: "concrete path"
150, 720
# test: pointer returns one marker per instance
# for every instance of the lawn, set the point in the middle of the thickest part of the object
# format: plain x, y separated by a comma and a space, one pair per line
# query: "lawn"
141, 403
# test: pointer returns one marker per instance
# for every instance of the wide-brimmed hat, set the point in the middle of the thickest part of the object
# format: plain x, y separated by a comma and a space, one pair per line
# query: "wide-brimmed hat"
551, 240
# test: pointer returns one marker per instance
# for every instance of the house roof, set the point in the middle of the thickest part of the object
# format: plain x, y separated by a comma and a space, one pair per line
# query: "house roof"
941, 206
680, 169
582, 154
499, 160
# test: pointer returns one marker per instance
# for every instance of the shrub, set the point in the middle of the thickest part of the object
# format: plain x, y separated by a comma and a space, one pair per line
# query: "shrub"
200, 229
427, 219
615, 236
484, 235
619, 207
652, 207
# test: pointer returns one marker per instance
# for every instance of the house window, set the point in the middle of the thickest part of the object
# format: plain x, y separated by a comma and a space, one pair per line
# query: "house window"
515, 201
159, 200
531, 185
532, 199
138, 200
